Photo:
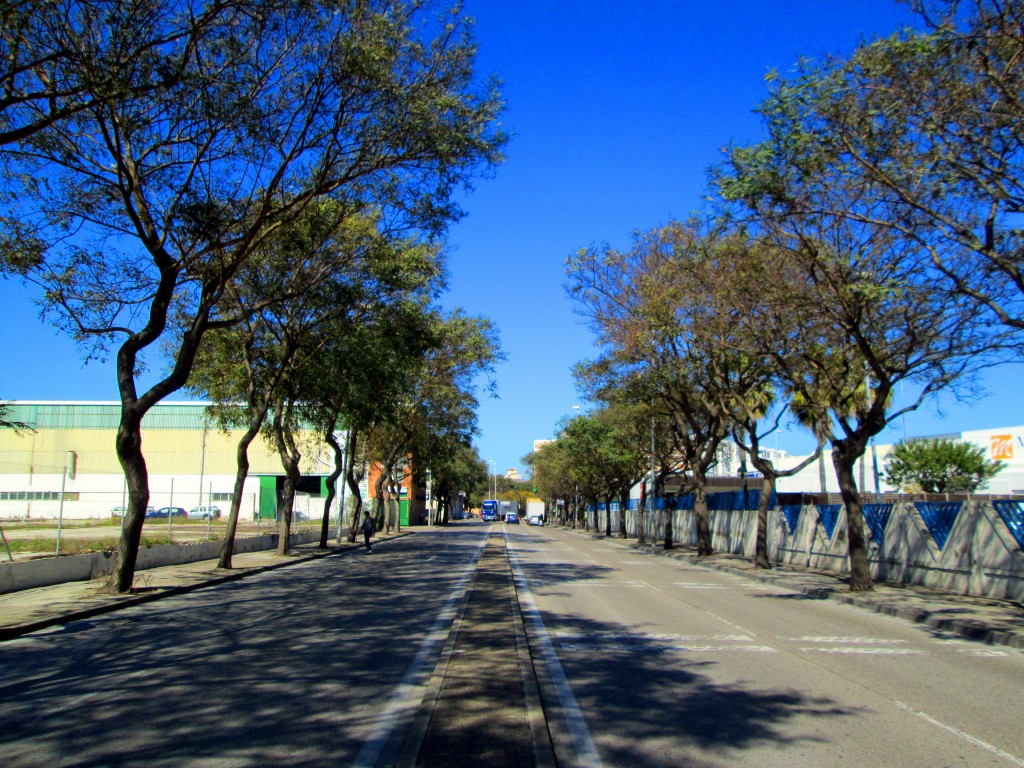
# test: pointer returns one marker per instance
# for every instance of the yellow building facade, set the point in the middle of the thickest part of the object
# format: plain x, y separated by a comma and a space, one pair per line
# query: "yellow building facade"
65, 463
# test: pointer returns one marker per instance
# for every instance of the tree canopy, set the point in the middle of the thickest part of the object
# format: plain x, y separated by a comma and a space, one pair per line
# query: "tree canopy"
940, 466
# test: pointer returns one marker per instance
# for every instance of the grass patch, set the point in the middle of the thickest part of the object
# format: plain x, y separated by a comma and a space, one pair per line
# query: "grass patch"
76, 546
47, 523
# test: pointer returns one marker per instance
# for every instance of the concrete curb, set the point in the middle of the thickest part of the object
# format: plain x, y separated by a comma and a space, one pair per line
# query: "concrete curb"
119, 602
966, 628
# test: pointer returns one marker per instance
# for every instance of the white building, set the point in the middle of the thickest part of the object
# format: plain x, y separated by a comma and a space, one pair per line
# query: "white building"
1005, 444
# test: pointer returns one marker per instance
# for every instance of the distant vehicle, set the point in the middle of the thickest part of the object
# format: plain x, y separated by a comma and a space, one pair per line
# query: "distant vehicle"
512, 517
204, 513
168, 512
505, 506
535, 508
535, 520
489, 511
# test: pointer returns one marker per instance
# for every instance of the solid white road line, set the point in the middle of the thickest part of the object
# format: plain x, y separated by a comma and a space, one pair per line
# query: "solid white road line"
961, 734
583, 744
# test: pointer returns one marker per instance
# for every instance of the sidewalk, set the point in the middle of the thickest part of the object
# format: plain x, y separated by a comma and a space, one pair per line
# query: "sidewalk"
998, 622
33, 609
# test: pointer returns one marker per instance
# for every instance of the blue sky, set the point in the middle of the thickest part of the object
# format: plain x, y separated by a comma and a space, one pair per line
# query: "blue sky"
616, 111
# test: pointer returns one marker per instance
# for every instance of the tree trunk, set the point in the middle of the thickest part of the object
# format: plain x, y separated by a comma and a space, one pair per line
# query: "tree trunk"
608, 515
332, 489
761, 537
700, 513
290, 458
822, 479
843, 459
378, 501
241, 473
623, 506
353, 485
641, 536
670, 516
136, 475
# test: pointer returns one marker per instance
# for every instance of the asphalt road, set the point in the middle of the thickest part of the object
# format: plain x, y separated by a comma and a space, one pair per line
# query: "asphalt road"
316, 664
672, 665
641, 660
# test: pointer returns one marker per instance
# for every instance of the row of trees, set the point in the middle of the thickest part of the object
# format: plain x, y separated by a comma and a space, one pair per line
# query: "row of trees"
257, 190
863, 257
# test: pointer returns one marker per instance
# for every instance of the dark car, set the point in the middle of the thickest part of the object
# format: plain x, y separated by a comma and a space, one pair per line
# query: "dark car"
512, 517
168, 512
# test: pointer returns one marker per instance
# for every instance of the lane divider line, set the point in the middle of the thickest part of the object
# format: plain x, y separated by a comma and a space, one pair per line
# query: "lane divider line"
582, 743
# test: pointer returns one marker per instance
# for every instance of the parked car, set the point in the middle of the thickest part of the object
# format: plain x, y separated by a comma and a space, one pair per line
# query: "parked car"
204, 513
168, 512
535, 520
119, 511
512, 517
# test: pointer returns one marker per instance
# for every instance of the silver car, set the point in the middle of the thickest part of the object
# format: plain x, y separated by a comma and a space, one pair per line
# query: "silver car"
204, 513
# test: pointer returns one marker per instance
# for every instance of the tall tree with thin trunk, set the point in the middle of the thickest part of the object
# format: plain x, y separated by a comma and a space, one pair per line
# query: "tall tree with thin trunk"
169, 191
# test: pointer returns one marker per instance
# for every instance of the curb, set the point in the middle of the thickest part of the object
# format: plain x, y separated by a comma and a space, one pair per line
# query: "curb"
967, 629
118, 602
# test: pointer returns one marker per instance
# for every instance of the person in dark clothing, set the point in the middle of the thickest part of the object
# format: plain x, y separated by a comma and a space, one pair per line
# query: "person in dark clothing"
368, 529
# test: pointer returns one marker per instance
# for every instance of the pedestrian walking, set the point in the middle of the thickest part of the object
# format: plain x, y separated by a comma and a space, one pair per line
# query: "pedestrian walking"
368, 528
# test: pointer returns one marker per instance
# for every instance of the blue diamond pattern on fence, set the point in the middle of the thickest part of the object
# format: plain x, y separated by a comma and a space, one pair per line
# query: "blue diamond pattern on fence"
877, 518
939, 517
829, 516
792, 513
1012, 513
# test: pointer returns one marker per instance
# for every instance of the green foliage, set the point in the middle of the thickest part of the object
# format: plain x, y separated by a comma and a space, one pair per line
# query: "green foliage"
19, 427
940, 466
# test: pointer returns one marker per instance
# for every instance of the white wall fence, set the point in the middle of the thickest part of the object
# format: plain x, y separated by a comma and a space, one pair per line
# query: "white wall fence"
47, 571
967, 548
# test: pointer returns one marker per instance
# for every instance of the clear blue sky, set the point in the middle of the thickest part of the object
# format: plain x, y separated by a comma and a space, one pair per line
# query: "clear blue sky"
616, 110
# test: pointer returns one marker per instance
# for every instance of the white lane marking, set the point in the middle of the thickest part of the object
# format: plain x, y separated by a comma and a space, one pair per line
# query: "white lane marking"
649, 636
977, 652
960, 734
845, 640
870, 651
658, 642
586, 752
407, 694
694, 585
644, 646
604, 584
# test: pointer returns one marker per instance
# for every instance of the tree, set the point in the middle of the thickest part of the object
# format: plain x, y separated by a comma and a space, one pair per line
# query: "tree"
940, 466
851, 309
929, 124
148, 205
56, 62
647, 306
316, 286
454, 472
438, 396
